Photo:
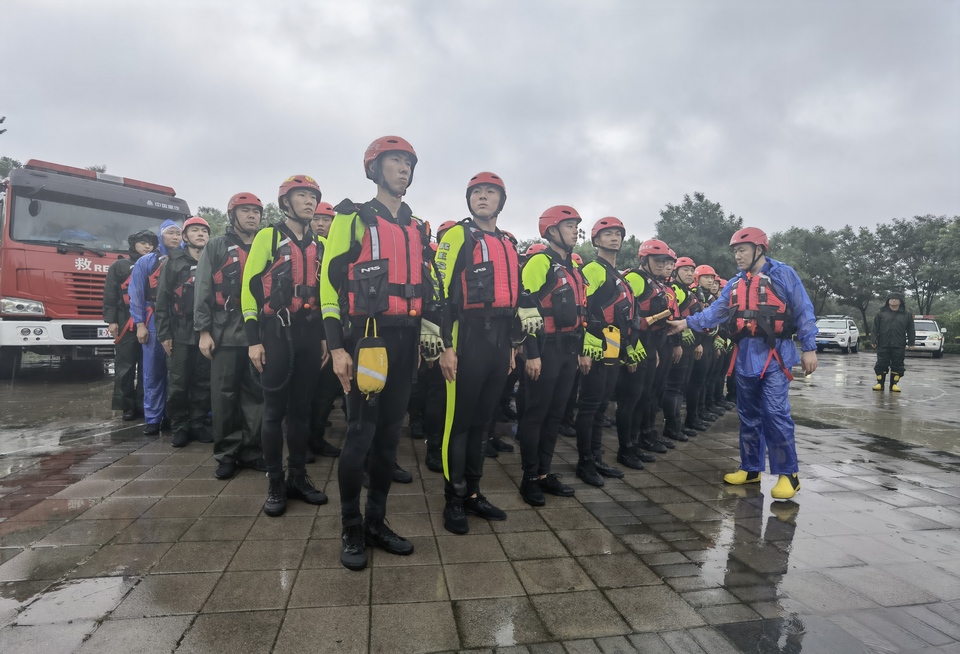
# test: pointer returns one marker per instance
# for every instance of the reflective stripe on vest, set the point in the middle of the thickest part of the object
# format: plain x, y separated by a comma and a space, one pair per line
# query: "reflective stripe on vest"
490, 282
227, 279
290, 282
618, 307
652, 301
388, 276
758, 311
565, 303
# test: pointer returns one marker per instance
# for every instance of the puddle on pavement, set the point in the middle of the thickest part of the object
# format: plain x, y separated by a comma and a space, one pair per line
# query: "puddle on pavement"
83, 599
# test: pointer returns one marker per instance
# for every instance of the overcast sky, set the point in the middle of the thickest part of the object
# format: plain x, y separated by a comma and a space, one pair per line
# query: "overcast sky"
786, 113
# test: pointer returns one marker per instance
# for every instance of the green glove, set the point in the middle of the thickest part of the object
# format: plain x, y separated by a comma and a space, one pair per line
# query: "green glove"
431, 343
530, 320
636, 353
719, 344
728, 344
592, 347
687, 336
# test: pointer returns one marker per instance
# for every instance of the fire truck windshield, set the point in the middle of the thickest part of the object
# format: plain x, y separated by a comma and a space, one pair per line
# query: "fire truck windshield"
86, 222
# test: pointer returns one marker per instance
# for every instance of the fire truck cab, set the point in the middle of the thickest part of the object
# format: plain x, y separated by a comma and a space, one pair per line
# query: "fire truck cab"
60, 230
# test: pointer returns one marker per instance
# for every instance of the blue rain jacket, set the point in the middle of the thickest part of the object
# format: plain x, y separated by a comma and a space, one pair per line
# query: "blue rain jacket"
753, 351
140, 274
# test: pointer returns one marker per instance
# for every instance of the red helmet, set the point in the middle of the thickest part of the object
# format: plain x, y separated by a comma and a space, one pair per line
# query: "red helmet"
753, 235
672, 254
556, 215
704, 269
577, 259
195, 220
653, 246
242, 199
325, 209
298, 181
608, 223
684, 261
722, 282
444, 226
535, 248
386, 144
491, 179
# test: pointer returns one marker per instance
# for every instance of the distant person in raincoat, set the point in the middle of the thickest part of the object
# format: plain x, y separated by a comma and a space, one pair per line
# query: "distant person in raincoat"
893, 331
143, 295
765, 305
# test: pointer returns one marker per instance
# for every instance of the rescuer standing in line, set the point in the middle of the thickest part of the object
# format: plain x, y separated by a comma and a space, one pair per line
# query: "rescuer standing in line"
479, 272
378, 261
128, 354
279, 298
767, 304
235, 396
554, 293
893, 330
692, 347
328, 386
188, 372
143, 297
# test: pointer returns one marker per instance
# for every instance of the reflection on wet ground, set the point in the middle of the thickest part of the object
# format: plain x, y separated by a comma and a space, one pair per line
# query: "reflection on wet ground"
148, 552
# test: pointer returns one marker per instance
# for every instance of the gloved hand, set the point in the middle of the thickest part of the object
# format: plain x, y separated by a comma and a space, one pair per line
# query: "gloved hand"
719, 344
530, 320
636, 353
687, 336
728, 345
431, 343
592, 347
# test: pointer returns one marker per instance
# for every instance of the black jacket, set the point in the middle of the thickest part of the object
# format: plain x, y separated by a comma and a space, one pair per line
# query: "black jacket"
172, 325
893, 328
115, 310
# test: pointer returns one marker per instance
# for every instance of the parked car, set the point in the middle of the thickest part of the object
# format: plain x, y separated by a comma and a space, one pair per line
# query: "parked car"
930, 336
839, 332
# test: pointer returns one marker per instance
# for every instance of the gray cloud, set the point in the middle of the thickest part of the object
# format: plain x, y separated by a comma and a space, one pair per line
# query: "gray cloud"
785, 113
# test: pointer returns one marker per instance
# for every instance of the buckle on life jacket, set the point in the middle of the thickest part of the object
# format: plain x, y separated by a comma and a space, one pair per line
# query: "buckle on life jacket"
405, 291
284, 321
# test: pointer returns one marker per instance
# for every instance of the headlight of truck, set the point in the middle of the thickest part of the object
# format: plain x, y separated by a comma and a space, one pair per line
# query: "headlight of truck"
16, 307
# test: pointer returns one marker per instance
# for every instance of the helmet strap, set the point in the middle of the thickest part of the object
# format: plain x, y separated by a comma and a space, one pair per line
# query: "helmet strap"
236, 225
758, 252
558, 242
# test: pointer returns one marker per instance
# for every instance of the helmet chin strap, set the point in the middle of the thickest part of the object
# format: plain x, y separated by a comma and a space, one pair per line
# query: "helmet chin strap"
290, 213
559, 243
236, 224
756, 257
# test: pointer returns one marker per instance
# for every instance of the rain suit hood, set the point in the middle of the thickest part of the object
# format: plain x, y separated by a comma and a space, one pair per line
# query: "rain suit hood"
895, 296
164, 226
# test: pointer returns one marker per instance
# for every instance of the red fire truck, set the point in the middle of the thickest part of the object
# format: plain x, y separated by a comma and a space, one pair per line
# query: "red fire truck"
60, 229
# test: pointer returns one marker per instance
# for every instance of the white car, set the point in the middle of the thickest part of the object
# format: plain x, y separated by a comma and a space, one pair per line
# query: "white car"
929, 336
838, 331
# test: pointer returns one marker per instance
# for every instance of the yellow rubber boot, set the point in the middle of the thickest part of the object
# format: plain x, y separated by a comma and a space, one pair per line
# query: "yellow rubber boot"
787, 486
881, 379
893, 383
742, 477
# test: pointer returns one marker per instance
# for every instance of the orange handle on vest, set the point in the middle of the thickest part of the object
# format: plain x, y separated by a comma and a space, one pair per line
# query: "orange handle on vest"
127, 327
658, 317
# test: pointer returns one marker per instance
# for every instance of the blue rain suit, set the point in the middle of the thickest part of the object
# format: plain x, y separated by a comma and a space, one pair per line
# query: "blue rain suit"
154, 358
763, 404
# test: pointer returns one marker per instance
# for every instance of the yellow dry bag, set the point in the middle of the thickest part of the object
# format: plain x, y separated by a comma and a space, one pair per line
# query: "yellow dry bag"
371, 361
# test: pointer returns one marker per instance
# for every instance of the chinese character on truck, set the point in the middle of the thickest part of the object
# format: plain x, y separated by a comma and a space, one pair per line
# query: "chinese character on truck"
60, 229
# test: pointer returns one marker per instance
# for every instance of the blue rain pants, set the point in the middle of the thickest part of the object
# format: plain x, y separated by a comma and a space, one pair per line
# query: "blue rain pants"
154, 377
765, 423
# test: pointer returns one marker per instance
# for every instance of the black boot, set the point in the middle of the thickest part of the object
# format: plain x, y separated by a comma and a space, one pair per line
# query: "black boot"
320, 447
479, 506
531, 492
500, 446
587, 472
300, 487
489, 450
433, 460
354, 553
276, 503
696, 424
454, 519
378, 534
628, 457
401, 476
567, 429
651, 445
552, 484
129, 415
606, 469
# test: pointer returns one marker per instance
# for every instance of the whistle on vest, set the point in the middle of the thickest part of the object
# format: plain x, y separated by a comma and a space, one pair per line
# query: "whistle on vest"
658, 317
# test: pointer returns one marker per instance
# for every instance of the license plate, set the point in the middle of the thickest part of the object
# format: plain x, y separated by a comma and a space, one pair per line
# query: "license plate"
823, 342
102, 332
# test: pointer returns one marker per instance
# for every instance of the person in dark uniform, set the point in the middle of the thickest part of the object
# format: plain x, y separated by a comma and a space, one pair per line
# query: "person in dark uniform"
188, 372
893, 330
236, 400
279, 297
127, 352
479, 272
379, 299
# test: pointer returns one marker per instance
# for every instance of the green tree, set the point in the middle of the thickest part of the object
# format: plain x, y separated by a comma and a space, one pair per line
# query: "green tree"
947, 252
811, 254
272, 215
699, 229
858, 283
7, 164
215, 218
101, 168
912, 260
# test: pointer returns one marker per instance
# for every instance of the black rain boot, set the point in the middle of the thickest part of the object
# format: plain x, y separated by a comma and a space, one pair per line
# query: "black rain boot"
300, 487
276, 503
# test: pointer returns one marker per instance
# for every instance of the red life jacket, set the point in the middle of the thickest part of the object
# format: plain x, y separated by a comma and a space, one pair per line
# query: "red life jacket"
691, 303
227, 279
183, 292
387, 279
563, 299
154, 278
758, 311
125, 286
490, 280
290, 282
652, 301
614, 300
